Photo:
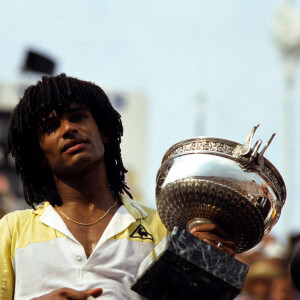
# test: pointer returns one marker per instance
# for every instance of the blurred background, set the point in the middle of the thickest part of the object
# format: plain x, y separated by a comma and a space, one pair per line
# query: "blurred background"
174, 70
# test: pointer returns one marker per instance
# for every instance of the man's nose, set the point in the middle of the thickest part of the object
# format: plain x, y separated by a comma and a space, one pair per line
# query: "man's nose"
68, 128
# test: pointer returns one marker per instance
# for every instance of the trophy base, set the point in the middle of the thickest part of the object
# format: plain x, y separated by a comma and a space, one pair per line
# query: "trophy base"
182, 266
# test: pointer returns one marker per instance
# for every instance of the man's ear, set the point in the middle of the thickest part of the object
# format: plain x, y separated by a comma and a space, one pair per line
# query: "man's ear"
105, 137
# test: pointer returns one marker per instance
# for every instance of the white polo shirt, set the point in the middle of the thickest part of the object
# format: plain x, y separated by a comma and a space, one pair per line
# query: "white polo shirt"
39, 254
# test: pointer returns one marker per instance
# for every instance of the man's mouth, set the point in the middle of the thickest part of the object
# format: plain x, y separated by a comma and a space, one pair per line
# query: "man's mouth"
74, 145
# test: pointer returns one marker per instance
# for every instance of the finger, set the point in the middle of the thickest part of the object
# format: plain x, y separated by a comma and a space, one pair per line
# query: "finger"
211, 227
94, 292
215, 238
227, 250
223, 246
78, 296
67, 293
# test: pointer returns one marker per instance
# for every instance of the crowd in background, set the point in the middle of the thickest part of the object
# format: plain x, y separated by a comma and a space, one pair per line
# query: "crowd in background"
268, 277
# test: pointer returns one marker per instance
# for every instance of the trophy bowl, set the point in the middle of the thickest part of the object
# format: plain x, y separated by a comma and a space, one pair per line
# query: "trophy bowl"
207, 179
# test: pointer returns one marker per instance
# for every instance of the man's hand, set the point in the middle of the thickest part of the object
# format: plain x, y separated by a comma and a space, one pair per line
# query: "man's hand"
70, 294
216, 236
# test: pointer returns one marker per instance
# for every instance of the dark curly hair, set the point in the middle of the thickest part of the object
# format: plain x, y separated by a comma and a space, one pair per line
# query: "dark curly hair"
57, 93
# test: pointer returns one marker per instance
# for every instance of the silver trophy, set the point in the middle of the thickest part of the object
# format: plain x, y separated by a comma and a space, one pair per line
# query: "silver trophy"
206, 179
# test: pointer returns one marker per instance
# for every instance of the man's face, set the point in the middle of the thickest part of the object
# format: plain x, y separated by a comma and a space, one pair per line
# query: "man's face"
71, 143
265, 190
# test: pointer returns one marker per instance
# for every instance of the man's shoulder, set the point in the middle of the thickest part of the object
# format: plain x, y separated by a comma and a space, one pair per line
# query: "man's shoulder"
17, 214
12, 222
24, 227
23, 216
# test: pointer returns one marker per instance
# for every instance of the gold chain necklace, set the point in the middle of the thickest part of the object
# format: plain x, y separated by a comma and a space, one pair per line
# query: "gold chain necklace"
87, 224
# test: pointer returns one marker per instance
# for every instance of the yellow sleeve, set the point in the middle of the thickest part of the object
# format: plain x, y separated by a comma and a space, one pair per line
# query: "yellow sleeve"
6, 270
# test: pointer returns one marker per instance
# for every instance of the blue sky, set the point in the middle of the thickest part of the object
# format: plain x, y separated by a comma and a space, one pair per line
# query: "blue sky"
174, 53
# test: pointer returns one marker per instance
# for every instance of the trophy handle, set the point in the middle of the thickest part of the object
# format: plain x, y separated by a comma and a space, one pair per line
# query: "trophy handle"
243, 150
260, 159
196, 221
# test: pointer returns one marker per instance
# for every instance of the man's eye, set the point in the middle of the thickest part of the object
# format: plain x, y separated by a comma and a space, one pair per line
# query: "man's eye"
48, 128
79, 117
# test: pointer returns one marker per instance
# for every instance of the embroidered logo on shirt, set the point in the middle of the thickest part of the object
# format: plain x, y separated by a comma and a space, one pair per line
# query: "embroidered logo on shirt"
141, 233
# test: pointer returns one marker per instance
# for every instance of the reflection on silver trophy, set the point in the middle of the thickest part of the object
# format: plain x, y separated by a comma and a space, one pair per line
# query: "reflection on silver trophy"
206, 179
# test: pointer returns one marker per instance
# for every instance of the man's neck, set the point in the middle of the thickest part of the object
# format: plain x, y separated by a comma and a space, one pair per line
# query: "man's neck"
90, 188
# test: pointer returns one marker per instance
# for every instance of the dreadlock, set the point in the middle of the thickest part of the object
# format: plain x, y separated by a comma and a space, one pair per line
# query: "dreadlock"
56, 93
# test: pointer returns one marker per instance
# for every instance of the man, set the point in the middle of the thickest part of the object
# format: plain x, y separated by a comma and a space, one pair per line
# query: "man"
263, 202
85, 236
